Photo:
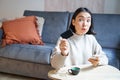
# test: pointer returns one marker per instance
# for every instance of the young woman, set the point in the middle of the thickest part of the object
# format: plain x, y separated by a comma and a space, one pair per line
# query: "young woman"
80, 48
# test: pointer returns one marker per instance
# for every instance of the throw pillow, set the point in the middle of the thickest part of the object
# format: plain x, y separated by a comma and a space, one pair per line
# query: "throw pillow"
22, 30
40, 21
8, 19
0, 24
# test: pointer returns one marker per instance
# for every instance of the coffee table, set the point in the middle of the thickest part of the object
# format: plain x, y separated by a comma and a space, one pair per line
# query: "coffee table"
87, 72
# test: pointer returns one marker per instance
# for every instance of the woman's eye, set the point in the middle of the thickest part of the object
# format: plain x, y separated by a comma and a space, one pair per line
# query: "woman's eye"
80, 20
88, 20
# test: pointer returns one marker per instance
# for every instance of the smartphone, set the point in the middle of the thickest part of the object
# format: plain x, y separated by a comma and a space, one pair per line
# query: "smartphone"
67, 34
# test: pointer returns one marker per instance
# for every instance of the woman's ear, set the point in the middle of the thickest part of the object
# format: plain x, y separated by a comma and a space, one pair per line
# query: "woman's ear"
73, 22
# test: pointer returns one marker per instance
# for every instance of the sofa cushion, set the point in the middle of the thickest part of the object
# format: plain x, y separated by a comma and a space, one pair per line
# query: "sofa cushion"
22, 30
26, 52
107, 29
55, 24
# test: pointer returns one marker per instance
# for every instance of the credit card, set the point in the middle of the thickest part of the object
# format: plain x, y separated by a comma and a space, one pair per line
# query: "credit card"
67, 34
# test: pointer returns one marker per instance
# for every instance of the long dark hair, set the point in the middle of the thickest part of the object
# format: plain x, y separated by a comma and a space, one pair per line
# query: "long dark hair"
79, 10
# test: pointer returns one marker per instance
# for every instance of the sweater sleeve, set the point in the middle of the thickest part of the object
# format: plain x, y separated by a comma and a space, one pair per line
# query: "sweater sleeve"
103, 60
57, 60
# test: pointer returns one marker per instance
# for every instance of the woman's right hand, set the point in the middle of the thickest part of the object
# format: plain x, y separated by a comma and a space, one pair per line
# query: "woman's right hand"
64, 47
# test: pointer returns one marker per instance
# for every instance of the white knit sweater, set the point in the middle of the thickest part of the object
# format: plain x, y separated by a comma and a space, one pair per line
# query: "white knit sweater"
81, 48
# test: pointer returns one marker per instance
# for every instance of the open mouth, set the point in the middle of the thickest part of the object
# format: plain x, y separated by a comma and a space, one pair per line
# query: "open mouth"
83, 29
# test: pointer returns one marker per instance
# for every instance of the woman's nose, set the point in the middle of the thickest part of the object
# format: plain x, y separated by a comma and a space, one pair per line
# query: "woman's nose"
84, 23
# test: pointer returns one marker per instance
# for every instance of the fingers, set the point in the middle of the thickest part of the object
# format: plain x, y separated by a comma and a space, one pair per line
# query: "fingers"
63, 46
63, 43
94, 61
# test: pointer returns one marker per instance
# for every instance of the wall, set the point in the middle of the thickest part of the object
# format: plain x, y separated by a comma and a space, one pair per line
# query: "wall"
112, 6
15, 8
71, 5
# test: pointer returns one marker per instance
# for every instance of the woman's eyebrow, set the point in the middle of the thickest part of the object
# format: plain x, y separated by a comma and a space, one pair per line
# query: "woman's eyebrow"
84, 17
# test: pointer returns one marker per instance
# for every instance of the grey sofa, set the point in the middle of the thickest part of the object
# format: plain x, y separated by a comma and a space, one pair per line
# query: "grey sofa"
34, 60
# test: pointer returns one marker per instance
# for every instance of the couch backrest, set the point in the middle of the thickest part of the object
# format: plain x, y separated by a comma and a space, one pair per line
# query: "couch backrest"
55, 24
107, 27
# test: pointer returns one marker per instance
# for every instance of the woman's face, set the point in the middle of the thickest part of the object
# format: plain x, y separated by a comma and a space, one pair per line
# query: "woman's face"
82, 23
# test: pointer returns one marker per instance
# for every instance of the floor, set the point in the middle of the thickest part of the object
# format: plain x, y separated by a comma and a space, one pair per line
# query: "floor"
5, 76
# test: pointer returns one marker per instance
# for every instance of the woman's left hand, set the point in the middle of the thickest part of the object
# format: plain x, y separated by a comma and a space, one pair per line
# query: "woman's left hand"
94, 60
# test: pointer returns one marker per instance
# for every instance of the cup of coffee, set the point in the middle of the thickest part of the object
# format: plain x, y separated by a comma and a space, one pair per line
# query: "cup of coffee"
74, 70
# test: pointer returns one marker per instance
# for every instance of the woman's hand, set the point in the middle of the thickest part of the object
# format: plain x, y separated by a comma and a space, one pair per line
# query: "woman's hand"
64, 47
94, 61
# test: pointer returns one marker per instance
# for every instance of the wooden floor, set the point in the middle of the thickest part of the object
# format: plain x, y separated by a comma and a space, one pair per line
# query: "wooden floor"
5, 76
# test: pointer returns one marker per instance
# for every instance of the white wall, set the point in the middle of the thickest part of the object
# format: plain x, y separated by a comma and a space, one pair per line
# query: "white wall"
15, 8
112, 6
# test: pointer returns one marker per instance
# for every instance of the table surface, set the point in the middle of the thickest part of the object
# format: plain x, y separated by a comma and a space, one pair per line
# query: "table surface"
87, 72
